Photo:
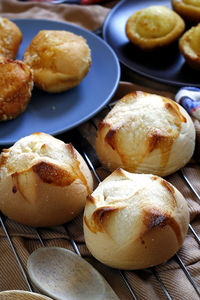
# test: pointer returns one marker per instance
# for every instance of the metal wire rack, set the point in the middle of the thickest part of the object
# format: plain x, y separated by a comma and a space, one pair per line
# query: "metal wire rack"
89, 154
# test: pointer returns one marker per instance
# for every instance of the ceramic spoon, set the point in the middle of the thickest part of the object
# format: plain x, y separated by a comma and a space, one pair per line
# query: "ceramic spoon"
64, 275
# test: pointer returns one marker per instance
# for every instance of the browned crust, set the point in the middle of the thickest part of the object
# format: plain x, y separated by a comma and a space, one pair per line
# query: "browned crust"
9, 32
16, 86
156, 218
99, 217
173, 108
52, 174
188, 12
191, 56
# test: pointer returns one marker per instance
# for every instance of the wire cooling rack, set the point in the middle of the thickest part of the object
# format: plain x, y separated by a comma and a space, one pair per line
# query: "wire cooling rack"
84, 147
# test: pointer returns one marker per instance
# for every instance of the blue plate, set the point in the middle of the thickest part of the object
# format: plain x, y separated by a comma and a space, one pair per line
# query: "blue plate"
165, 65
56, 113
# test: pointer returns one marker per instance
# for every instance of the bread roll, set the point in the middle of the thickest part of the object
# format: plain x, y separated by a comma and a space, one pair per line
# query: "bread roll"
60, 60
135, 221
189, 10
154, 27
190, 47
146, 133
43, 181
16, 84
10, 38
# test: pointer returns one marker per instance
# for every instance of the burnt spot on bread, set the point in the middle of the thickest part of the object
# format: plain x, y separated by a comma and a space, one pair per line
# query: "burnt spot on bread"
99, 218
14, 189
155, 218
91, 199
156, 138
153, 177
110, 138
16, 186
168, 186
70, 149
75, 166
162, 141
43, 147
173, 108
143, 242
52, 174
171, 191
87, 224
120, 172
101, 125
132, 96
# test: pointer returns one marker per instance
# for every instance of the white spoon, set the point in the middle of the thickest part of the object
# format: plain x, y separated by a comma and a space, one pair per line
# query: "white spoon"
64, 275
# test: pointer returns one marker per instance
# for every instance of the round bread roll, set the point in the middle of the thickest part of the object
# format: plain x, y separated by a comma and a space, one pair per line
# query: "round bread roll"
189, 10
146, 133
190, 47
10, 38
135, 221
154, 27
16, 84
43, 181
60, 60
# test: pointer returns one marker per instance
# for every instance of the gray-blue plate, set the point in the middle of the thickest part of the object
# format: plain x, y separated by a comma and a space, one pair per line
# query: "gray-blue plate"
57, 113
165, 65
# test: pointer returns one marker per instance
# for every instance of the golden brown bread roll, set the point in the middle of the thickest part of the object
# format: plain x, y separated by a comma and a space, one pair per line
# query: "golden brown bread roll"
154, 27
16, 84
135, 221
146, 133
190, 46
10, 38
43, 181
189, 10
60, 60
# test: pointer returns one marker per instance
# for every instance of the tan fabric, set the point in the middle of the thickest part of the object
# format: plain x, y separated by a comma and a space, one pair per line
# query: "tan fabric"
86, 16
25, 239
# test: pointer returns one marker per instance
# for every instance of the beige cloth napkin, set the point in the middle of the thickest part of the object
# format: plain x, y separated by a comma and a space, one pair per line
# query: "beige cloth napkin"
25, 240
88, 16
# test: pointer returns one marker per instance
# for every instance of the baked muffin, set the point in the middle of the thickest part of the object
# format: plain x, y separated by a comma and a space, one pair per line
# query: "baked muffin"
135, 221
16, 84
59, 59
10, 38
190, 46
146, 133
154, 27
189, 10
43, 181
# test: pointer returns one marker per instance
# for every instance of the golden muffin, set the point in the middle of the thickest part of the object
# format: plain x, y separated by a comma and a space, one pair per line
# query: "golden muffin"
10, 38
59, 59
154, 27
190, 46
135, 221
189, 10
146, 133
16, 84
43, 181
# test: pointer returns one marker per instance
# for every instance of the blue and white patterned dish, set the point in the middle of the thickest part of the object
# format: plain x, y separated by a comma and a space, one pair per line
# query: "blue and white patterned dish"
189, 98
